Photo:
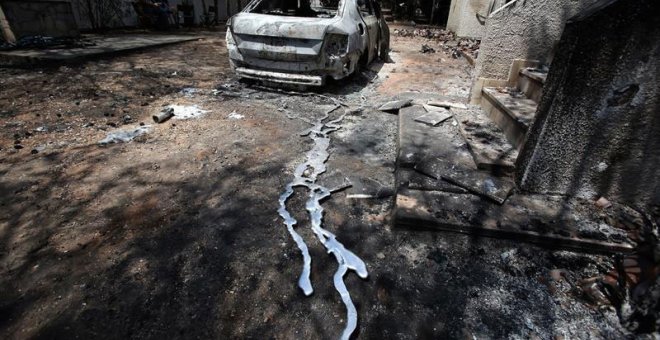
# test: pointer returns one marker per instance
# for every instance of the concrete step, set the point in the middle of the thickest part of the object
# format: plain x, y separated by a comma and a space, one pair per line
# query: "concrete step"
513, 113
530, 82
488, 144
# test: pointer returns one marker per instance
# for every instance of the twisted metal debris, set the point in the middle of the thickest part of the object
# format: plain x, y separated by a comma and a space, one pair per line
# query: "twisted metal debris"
305, 175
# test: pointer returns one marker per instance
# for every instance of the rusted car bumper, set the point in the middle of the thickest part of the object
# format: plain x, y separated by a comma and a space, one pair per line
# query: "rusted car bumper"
280, 77
295, 44
309, 72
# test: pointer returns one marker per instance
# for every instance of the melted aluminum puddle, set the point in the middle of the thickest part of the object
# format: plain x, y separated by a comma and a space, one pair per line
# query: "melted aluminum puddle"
305, 176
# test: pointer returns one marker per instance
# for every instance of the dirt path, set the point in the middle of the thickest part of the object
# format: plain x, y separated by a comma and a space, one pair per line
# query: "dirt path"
176, 234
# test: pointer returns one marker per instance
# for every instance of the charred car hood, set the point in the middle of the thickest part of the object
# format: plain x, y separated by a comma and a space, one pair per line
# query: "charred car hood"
281, 26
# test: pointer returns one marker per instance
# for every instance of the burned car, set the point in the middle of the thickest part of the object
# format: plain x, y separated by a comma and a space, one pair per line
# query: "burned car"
306, 41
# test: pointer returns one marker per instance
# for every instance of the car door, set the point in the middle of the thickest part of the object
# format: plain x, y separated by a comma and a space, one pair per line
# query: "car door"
371, 23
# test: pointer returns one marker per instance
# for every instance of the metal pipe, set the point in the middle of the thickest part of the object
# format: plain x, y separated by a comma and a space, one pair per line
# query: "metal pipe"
502, 8
164, 115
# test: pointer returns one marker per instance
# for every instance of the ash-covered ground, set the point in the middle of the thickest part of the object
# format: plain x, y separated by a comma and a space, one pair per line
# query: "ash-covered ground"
175, 234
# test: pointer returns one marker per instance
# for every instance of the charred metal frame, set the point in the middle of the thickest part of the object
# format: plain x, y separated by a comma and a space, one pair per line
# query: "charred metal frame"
299, 50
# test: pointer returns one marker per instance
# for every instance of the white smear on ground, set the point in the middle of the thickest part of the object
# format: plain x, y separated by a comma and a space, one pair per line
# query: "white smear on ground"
124, 136
189, 91
305, 175
236, 116
187, 111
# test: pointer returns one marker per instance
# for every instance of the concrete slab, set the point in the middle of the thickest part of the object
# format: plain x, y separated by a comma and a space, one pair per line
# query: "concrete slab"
434, 115
419, 141
105, 45
412, 179
446, 104
395, 105
477, 182
547, 220
368, 188
487, 143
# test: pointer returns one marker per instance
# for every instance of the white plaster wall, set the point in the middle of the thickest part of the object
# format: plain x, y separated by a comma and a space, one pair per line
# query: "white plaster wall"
463, 17
528, 29
454, 20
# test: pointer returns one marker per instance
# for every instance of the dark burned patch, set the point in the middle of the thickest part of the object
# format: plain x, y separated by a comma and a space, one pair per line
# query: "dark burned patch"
439, 257
623, 95
8, 113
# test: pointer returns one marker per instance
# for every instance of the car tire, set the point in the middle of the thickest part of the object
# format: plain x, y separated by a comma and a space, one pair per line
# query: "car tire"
384, 51
362, 63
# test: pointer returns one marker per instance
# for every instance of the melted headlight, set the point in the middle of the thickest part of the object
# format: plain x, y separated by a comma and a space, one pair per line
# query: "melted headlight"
230, 38
336, 44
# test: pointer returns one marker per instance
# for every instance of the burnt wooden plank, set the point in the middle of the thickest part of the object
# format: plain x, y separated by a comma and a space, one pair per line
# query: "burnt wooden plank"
531, 218
478, 182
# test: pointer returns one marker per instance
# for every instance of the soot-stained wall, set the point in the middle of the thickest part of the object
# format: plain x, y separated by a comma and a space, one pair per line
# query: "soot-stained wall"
597, 130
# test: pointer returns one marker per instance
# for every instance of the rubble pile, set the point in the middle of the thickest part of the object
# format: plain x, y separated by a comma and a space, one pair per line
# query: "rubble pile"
435, 33
631, 286
469, 46
427, 49
449, 42
463, 46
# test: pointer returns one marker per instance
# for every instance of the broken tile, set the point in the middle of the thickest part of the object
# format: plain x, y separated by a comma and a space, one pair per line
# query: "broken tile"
434, 117
418, 141
395, 105
430, 108
447, 104
477, 182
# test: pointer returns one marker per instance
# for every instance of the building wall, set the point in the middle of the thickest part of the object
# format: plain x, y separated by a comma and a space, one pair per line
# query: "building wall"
46, 17
597, 130
527, 29
463, 17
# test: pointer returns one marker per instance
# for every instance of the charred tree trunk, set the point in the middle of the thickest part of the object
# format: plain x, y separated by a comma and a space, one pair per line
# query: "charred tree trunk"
6, 29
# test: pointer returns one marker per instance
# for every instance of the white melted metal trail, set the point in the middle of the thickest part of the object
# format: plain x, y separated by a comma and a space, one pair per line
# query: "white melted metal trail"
305, 175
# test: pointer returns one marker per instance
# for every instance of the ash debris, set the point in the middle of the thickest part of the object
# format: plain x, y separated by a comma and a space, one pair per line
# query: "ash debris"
447, 40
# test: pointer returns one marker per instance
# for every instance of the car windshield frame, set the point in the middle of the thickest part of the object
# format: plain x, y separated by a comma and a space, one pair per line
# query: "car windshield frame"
329, 10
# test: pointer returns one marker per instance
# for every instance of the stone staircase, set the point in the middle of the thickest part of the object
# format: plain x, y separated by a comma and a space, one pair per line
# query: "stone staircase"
513, 109
457, 175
